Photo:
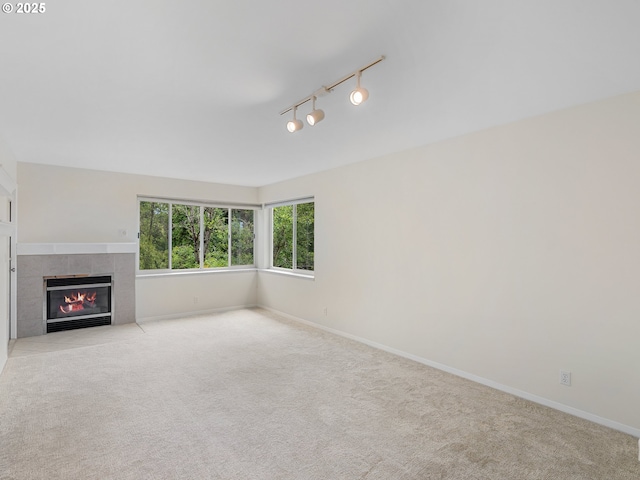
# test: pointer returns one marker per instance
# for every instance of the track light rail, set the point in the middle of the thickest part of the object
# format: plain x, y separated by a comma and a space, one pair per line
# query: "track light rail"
327, 89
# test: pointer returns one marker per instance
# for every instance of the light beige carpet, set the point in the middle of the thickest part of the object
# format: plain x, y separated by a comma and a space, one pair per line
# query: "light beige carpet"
249, 395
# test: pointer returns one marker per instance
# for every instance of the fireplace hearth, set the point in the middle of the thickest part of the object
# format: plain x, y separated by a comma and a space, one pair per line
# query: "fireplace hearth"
73, 302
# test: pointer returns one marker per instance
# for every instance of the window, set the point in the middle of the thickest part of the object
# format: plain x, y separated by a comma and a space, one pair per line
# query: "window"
187, 236
293, 236
154, 235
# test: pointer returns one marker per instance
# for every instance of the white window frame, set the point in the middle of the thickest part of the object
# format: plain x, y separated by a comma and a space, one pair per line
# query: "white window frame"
271, 206
201, 204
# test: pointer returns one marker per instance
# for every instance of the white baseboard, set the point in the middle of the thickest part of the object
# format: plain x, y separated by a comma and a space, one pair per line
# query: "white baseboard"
174, 316
475, 378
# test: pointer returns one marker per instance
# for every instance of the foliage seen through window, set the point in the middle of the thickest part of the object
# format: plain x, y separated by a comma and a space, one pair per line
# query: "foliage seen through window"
201, 236
293, 236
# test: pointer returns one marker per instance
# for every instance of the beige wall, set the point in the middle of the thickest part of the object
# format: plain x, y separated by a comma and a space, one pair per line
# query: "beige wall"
68, 205
173, 295
74, 205
508, 254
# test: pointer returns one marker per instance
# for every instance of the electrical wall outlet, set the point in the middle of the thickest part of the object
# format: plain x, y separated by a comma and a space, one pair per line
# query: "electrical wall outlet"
565, 378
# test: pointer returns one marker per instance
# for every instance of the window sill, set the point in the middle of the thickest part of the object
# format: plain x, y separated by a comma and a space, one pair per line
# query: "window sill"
306, 276
196, 272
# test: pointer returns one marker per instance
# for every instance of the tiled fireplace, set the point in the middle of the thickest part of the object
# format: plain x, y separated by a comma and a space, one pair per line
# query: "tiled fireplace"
43, 272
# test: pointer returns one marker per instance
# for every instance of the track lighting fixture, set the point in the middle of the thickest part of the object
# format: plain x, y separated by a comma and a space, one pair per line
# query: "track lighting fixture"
316, 115
360, 94
356, 97
294, 125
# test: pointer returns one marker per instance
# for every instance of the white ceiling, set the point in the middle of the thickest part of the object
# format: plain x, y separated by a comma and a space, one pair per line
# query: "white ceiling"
193, 89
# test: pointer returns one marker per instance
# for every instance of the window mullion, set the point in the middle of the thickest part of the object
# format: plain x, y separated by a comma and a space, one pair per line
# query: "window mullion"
229, 238
201, 259
170, 234
294, 216
271, 224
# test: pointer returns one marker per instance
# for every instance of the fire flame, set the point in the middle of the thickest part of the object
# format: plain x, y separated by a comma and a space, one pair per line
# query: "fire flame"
75, 303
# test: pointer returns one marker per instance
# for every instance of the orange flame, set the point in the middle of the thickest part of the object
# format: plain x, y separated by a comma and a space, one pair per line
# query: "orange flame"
75, 303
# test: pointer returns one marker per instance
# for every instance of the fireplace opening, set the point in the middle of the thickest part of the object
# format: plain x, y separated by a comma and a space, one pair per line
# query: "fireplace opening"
77, 302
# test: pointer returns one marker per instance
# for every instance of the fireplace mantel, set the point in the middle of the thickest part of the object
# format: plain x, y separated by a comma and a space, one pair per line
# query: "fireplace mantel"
75, 248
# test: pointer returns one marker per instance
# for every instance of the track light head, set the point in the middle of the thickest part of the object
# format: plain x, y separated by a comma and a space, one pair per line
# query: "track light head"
294, 125
360, 94
316, 115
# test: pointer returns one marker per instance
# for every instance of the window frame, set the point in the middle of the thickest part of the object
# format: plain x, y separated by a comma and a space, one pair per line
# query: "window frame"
202, 205
294, 270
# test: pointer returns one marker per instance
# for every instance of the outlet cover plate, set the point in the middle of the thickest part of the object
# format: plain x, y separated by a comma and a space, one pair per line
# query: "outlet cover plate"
565, 378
